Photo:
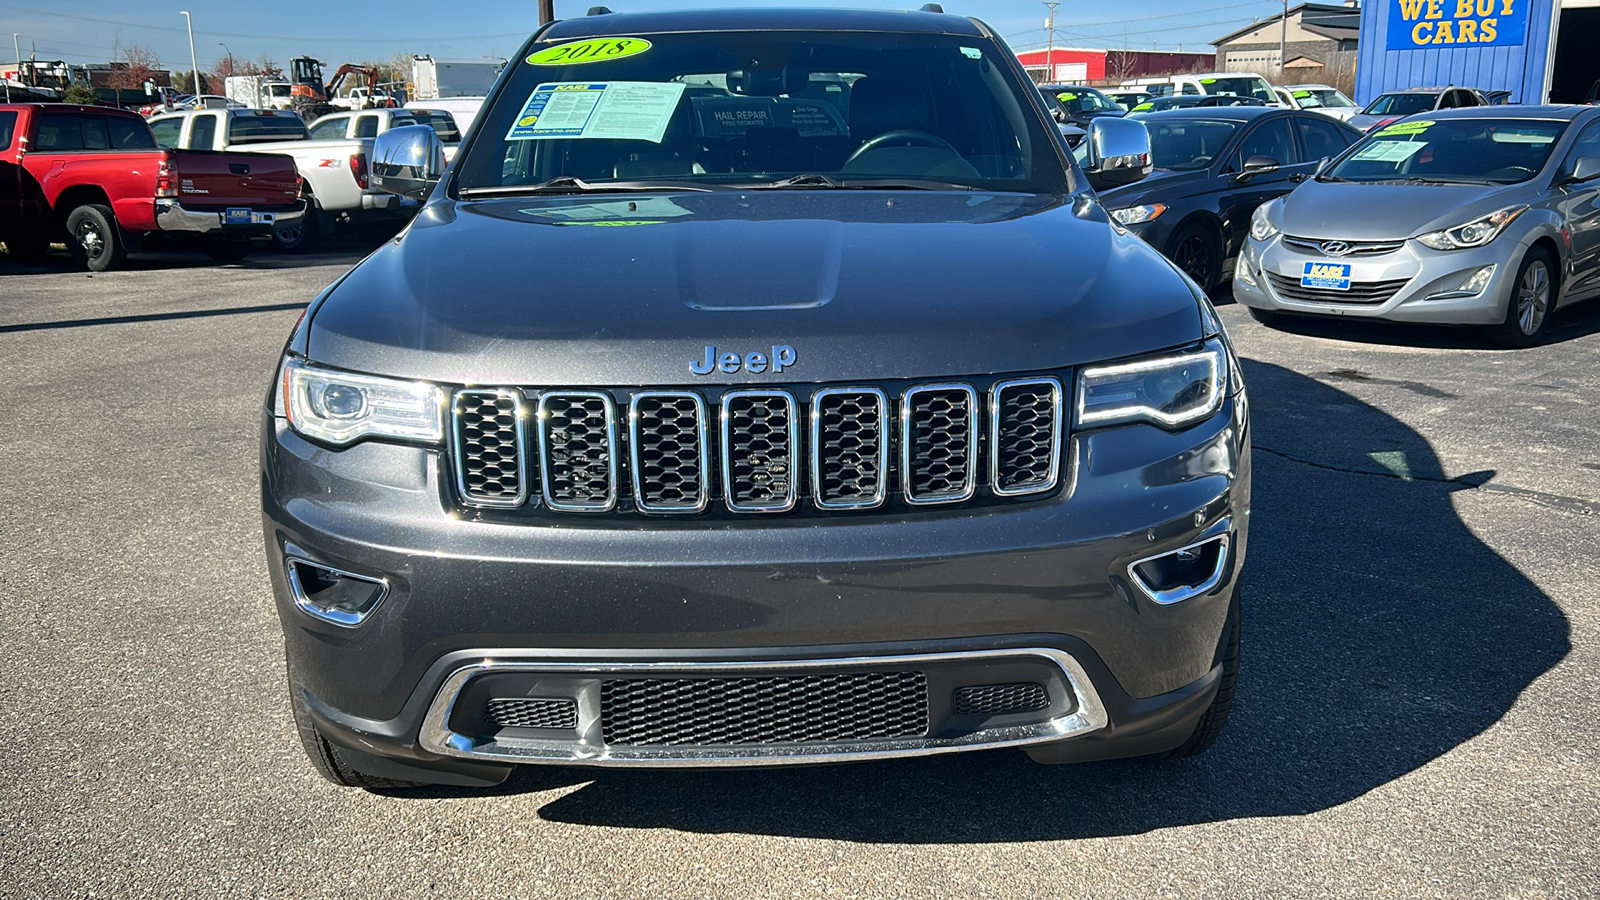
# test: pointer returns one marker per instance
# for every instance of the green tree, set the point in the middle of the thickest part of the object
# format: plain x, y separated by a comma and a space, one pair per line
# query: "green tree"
80, 93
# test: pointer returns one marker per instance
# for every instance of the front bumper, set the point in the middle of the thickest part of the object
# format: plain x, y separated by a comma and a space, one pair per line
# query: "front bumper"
173, 216
970, 596
1430, 294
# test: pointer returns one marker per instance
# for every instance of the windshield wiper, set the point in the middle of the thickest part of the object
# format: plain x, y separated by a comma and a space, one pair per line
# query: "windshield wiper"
1417, 179
571, 184
816, 180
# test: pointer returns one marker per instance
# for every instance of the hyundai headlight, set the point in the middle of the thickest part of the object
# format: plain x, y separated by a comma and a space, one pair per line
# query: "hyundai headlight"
1134, 215
1171, 391
343, 407
1476, 233
1261, 227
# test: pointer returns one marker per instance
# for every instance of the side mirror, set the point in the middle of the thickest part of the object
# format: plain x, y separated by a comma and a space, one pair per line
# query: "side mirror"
1118, 152
1258, 165
408, 160
1587, 168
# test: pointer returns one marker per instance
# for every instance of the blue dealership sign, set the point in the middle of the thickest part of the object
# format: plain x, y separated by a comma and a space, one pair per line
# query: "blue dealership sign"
1421, 24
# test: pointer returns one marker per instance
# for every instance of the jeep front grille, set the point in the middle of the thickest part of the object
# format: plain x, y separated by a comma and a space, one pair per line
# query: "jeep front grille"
840, 448
795, 709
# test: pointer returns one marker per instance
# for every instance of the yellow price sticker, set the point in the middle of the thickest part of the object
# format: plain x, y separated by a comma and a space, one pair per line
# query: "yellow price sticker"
1404, 128
591, 51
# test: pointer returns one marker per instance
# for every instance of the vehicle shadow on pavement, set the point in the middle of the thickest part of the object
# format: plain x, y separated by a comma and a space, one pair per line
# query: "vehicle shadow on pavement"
1570, 323
1379, 633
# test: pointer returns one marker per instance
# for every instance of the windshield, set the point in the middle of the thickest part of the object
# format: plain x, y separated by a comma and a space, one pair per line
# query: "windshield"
1186, 144
1251, 86
749, 109
247, 129
1452, 151
1400, 105
442, 123
1081, 99
1312, 98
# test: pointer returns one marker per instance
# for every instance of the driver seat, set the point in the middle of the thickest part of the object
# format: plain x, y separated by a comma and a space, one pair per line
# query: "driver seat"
880, 104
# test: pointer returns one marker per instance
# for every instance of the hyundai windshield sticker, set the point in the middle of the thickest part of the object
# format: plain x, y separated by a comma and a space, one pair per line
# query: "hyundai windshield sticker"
590, 51
1388, 151
615, 110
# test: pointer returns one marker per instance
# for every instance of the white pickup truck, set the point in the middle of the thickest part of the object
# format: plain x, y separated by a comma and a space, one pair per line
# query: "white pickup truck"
369, 123
336, 188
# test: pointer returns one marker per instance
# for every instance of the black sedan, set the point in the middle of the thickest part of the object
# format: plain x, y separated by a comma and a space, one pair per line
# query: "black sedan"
1213, 167
1077, 103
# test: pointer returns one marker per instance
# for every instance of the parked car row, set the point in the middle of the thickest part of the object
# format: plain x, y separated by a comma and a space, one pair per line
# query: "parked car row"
106, 182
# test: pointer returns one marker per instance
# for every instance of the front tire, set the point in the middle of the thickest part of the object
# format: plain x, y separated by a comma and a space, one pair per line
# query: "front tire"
1269, 317
325, 756
1209, 727
1533, 301
93, 238
1193, 248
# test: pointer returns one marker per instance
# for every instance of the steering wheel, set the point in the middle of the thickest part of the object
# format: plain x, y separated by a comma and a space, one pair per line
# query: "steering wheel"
910, 135
1521, 170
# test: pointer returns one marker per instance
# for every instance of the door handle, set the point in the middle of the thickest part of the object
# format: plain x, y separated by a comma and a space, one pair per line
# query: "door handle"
1298, 177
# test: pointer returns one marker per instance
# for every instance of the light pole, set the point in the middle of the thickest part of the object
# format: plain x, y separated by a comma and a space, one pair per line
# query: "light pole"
230, 56
194, 65
15, 45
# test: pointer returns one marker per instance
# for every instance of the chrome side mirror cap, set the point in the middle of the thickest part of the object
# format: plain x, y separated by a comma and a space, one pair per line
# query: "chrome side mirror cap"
1587, 168
1118, 152
408, 160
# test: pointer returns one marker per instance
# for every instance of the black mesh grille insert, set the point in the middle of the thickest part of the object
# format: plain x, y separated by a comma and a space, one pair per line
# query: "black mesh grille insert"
999, 699
781, 709
1360, 292
850, 448
1026, 438
669, 472
940, 448
758, 435
576, 441
518, 712
488, 447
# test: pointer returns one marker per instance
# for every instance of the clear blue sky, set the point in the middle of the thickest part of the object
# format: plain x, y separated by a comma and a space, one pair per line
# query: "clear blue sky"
335, 32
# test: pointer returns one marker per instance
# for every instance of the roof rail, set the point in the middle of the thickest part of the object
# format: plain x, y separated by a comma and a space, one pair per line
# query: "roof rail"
931, 7
599, 11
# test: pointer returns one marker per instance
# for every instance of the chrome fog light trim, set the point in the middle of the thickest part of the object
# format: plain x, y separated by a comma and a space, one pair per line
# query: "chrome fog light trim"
354, 608
1181, 593
1471, 286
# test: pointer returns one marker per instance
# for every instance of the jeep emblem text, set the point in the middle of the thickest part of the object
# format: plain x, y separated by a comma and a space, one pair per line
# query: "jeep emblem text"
782, 357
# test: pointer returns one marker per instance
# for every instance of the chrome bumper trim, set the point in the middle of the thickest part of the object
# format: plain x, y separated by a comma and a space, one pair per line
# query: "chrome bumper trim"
1088, 715
1187, 592
172, 216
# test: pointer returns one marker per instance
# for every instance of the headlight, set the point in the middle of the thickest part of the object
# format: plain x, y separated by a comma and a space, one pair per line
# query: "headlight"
342, 407
1473, 234
1261, 227
1170, 391
1133, 215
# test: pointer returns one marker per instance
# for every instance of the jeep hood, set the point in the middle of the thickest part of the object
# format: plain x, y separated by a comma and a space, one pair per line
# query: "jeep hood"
624, 289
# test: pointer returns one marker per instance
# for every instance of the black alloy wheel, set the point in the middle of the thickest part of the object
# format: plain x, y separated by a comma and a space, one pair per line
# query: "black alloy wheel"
1194, 251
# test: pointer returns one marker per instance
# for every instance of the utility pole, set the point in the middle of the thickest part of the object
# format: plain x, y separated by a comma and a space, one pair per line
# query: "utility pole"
1050, 53
1283, 38
547, 11
194, 64
15, 45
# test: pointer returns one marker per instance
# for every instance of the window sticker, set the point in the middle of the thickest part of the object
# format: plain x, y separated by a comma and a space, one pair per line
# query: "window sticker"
617, 110
652, 208
591, 51
1416, 127
1389, 151
1301, 95
1066, 97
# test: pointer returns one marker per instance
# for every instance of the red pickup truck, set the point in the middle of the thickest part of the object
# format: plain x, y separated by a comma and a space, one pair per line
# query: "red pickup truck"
94, 178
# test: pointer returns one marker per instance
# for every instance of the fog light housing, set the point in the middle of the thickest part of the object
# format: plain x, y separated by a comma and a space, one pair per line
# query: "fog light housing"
1242, 272
1474, 284
333, 595
1184, 573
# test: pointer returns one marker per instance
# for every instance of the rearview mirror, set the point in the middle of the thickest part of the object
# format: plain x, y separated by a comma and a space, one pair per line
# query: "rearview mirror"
1258, 165
408, 160
1118, 152
1587, 168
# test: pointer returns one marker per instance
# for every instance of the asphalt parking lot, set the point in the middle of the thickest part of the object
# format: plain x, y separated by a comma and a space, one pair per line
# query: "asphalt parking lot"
1418, 716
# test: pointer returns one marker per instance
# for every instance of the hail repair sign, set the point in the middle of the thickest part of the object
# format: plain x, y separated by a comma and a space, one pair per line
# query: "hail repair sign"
1420, 24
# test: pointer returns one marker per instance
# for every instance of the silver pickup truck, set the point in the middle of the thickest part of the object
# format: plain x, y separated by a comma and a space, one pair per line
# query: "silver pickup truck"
336, 188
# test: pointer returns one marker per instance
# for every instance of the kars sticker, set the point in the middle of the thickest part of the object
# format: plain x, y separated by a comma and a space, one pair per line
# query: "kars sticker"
591, 51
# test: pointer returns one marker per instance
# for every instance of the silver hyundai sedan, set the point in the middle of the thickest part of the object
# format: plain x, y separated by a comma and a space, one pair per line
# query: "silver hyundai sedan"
1484, 216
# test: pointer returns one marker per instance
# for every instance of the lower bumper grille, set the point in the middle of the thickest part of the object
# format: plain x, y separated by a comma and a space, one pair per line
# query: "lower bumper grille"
1361, 292
516, 712
1000, 699
764, 710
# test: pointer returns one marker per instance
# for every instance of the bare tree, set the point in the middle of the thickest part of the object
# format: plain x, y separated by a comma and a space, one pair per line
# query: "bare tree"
131, 66
1120, 65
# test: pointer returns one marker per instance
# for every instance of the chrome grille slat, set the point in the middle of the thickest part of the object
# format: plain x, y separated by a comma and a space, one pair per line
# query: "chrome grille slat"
1024, 436
1357, 248
849, 448
578, 451
489, 439
760, 451
939, 443
1360, 292
669, 452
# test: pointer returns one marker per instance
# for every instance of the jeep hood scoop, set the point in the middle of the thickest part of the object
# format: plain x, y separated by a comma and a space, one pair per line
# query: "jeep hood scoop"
630, 290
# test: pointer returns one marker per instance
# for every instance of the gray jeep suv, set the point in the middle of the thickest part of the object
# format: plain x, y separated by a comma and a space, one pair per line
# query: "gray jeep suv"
756, 387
